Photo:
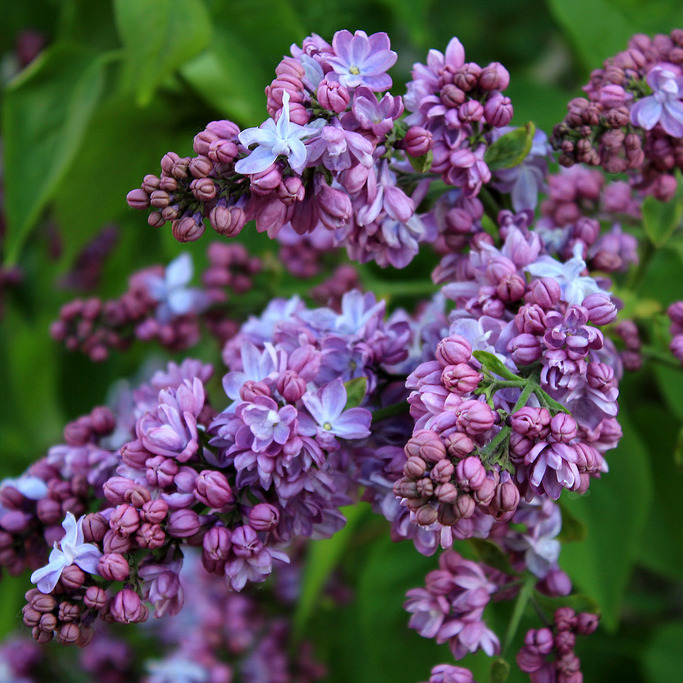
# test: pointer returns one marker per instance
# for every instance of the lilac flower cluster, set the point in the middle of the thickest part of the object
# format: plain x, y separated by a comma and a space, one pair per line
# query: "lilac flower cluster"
451, 605
240, 484
457, 103
632, 117
160, 305
558, 642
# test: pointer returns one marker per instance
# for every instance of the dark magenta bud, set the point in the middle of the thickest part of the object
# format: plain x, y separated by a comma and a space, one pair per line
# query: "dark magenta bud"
417, 141
127, 608
213, 489
124, 520
183, 523
453, 350
263, 517
113, 567
137, 199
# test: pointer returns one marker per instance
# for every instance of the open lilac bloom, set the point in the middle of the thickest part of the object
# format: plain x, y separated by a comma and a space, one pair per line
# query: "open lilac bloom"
172, 293
327, 409
72, 551
575, 287
362, 60
275, 139
664, 106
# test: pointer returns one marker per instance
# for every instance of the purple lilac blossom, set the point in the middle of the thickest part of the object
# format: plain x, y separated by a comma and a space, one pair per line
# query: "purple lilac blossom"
664, 106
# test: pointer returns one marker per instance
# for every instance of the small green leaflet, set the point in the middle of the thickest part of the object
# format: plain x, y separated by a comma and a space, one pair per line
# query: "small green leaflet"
356, 389
423, 163
510, 149
495, 365
499, 670
660, 219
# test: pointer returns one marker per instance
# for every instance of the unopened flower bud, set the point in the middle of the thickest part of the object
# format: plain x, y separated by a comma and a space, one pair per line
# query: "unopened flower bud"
216, 543
188, 229
470, 473
498, 111
113, 567
137, 199
124, 520
264, 517
525, 348
426, 515
333, 96
183, 523
453, 350
475, 417
95, 597
72, 577
494, 77
442, 471
213, 489
417, 141
127, 608
154, 511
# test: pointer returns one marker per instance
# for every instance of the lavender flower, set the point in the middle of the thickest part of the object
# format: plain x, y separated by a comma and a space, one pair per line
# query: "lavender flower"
73, 551
362, 60
664, 106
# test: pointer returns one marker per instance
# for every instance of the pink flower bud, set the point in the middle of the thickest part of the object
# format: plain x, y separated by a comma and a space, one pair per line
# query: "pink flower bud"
150, 536
498, 111
161, 471
113, 567
442, 471
334, 206
333, 96
475, 417
68, 634
213, 489
453, 350
134, 454
160, 199
227, 220
183, 523
188, 228
586, 623
125, 520
200, 167
216, 543
127, 608
545, 292
601, 310
425, 515
95, 597
427, 445
415, 467
49, 511
264, 182
565, 618
137, 199
417, 141
563, 428
461, 378
264, 517
494, 77
525, 348
511, 288
458, 444
291, 190
470, 473
291, 386
530, 421
467, 76
115, 543
464, 506
470, 111
154, 511
72, 577
203, 189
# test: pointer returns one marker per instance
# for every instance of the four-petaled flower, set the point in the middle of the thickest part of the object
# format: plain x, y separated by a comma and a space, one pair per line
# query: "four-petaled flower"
72, 551
575, 287
362, 60
664, 106
172, 293
275, 139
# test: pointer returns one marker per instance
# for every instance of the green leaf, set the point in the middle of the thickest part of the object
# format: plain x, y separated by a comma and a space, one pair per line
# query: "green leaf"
595, 27
423, 163
549, 401
663, 658
356, 389
573, 529
660, 219
323, 557
495, 365
159, 36
602, 564
499, 670
45, 115
510, 149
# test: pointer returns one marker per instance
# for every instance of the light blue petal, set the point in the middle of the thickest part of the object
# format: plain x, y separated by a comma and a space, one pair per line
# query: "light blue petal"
46, 577
257, 161
297, 158
179, 271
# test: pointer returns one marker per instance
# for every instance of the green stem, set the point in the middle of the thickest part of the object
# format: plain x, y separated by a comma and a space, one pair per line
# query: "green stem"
524, 396
490, 205
520, 606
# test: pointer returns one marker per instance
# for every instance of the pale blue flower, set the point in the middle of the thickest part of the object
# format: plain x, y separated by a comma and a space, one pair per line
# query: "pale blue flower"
172, 293
33, 488
273, 140
72, 551
574, 286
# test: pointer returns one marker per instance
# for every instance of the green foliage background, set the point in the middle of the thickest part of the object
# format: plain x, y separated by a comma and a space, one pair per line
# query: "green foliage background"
121, 82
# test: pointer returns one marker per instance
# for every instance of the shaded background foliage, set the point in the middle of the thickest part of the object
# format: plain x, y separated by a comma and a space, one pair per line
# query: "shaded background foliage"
120, 82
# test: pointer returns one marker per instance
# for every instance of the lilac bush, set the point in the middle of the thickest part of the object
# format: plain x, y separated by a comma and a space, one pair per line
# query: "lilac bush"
466, 421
